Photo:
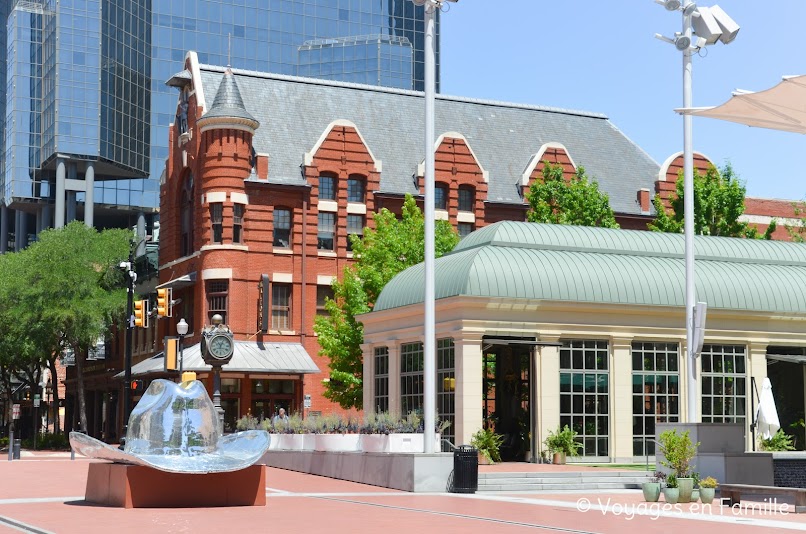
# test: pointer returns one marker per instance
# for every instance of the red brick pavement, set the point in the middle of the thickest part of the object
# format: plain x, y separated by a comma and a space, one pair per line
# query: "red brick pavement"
304, 503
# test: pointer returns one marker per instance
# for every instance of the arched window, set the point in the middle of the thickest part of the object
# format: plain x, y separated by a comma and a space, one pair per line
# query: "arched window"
356, 188
467, 198
186, 217
327, 187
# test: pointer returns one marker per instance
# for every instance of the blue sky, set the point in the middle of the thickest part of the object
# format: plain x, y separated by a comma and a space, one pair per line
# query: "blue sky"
601, 56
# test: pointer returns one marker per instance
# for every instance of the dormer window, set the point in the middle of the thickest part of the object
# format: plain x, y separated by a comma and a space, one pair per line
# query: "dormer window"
327, 188
466, 198
441, 197
356, 189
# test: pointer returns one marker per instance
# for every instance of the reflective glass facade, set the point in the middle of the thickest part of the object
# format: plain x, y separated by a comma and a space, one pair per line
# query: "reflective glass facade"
86, 78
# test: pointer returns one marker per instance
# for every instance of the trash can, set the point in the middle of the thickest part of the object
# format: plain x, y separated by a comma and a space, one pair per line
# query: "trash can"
16, 450
465, 469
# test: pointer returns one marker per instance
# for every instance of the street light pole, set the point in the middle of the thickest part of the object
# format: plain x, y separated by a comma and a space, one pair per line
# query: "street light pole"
688, 224
127, 363
429, 367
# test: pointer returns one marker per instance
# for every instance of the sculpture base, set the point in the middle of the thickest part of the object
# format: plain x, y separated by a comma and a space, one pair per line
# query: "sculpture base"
134, 486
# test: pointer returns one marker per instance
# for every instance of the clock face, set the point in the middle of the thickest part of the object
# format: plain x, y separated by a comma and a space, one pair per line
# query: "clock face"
220, 347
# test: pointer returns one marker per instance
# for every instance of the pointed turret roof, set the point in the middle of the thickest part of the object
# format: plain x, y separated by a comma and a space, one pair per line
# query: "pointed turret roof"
228, 106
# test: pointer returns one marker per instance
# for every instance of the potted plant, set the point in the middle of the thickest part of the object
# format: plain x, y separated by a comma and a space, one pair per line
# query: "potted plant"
488, 444
695, 493
678, 452
707, 490
562, 443
652, 488
671, 493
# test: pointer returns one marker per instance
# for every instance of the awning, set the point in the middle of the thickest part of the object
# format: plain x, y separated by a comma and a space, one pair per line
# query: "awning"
782, 107
249, 357
181, 281
791, 358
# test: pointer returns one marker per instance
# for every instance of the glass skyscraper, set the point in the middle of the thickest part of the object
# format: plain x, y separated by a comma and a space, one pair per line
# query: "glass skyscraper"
87, 111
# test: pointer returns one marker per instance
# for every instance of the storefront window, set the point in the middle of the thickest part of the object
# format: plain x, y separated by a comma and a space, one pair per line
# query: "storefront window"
584, 394
411, 378
446, 385
230, 385
724, 395
655, 388
231, 413
381, 403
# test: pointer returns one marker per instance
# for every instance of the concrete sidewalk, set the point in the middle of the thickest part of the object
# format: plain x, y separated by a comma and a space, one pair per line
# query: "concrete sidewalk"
41, 494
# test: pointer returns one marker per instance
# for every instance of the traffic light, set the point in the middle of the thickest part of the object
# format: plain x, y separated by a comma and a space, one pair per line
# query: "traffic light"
164, 306
141, 313
137, 387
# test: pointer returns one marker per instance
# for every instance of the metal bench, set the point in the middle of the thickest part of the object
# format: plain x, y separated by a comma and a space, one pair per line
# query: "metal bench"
732, 494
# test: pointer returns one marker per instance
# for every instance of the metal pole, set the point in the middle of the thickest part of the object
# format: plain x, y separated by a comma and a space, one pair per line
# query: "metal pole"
753, 410
181, 354
217, 397
688, 227
429, 368
127, 364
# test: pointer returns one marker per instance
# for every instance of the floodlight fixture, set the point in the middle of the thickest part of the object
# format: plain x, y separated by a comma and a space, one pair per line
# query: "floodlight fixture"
670, 5
682, 42
705, 25
689, 9
728, 26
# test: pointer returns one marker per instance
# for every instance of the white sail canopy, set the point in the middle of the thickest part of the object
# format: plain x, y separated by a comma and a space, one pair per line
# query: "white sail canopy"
782, 107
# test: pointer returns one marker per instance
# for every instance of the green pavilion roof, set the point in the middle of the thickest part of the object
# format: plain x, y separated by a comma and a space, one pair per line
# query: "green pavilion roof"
604, 266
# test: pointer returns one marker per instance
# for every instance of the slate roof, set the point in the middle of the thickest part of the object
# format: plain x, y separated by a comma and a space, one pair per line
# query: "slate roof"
294, 112
228, 102
606, 266
248, 357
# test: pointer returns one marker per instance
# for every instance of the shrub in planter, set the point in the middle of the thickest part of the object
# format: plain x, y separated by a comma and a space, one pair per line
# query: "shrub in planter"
671, 492
652, 488
488, 443
563, 443
678, 452
707, 489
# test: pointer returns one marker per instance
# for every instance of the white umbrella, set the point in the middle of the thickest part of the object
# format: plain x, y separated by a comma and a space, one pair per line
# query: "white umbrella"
767, 415
782, 107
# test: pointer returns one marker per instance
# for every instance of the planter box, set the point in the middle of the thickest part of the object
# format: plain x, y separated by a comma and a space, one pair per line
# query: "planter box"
294, 442
375, 442
337, 442
394, 442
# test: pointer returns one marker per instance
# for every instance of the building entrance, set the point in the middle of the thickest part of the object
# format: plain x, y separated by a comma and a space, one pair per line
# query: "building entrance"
506, 393
786, 369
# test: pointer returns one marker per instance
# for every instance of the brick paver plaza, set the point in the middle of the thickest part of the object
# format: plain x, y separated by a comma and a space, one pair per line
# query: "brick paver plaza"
45, 493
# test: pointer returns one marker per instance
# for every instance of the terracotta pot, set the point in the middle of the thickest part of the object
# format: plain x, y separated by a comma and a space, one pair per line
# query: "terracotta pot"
558, 458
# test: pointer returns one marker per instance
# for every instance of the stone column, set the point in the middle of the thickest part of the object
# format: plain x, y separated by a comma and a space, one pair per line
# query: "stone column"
468, 394
3, 228
61, 176
548, 371
89, 195
621, 434
369, 377
394, 377
756, 369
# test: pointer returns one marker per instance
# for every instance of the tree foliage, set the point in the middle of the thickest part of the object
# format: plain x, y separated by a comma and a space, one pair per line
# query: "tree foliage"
718, 205
577, 201
392, 246
66, 290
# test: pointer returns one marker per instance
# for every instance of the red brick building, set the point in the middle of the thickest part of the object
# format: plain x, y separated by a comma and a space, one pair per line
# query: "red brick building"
267, 175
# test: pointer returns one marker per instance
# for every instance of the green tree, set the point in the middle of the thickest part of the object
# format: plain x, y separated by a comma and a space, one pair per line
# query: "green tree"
71, 292
578, 201
392, 246
718, 205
